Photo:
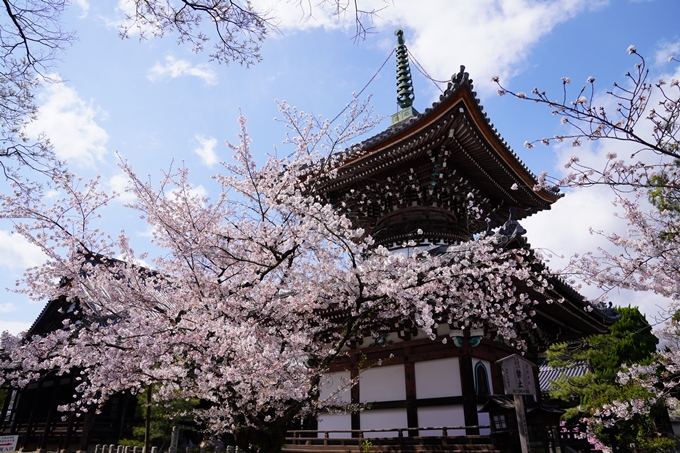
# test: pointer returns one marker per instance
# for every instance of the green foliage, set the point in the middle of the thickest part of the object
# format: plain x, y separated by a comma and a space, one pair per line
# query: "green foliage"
635, 342
630, 341
366, 446
164, 415
131, 443
665, 196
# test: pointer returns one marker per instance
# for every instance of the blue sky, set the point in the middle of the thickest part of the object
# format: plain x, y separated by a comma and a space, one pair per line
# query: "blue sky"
156, 103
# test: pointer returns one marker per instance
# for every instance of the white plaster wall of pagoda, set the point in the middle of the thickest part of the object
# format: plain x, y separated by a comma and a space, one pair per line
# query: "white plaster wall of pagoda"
381, 419
434, 417
335, 385
335, 422
483, 419
438, 378
382, 383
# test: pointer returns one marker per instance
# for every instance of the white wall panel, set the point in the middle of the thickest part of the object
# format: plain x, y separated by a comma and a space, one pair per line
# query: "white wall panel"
382, 419
329, 422
439, 417
335, 384
438, 378
382, 383
483, 418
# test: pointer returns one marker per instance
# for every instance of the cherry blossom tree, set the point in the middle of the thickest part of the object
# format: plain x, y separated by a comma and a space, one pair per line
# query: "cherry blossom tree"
254, 294
646, 186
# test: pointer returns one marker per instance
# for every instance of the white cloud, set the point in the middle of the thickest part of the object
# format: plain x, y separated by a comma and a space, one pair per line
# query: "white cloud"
17, 253
7, 307
84, 7
126, 9
174, 68
207, 150
298, 15
14, 327
71, 125
489, 37
564, 229
666, 50
119, 184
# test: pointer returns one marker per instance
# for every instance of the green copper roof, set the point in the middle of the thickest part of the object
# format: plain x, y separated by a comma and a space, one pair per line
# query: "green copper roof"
405, 95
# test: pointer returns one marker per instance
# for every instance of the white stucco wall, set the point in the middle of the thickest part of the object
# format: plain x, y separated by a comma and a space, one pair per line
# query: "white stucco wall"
335, 385
432, 417
382, 383
329, 422
438, 378
483, 419
379, 419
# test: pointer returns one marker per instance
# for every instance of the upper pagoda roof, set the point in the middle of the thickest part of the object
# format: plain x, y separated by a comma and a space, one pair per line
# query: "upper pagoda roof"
474, 149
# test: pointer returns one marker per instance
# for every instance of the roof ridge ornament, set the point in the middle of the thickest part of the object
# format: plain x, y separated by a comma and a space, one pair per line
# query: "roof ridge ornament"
405, 94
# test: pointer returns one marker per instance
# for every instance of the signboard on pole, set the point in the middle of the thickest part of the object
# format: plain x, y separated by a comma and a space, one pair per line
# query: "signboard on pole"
518, 380
8, 443
518, 375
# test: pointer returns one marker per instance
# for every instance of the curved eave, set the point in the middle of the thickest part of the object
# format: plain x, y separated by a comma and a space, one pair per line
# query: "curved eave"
458, 104
574, 317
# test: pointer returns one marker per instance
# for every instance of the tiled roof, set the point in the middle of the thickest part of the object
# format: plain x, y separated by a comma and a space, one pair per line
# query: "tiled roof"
546, 374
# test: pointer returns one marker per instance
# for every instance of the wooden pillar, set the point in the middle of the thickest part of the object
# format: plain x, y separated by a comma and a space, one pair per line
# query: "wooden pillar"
69, 430
31, 417
88, 424
5, 407
123, 414
411, 397
15, 416
467, 380
354, 395
52, 408
538, 395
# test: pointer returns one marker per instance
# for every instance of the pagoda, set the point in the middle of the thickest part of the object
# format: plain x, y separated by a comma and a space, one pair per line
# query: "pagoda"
412, 184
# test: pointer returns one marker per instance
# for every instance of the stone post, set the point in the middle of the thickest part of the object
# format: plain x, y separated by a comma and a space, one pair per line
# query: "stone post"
174, 439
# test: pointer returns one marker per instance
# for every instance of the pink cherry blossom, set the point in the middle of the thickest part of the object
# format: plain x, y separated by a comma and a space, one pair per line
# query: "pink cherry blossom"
254, 293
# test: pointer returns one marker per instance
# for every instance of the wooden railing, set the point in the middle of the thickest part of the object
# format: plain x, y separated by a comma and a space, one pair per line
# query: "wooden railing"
404, 436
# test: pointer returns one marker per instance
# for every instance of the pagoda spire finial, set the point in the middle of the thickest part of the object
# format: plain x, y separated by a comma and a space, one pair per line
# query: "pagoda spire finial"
405, 94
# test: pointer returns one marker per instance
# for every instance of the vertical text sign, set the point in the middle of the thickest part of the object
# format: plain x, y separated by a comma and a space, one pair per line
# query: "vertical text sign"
518, 376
